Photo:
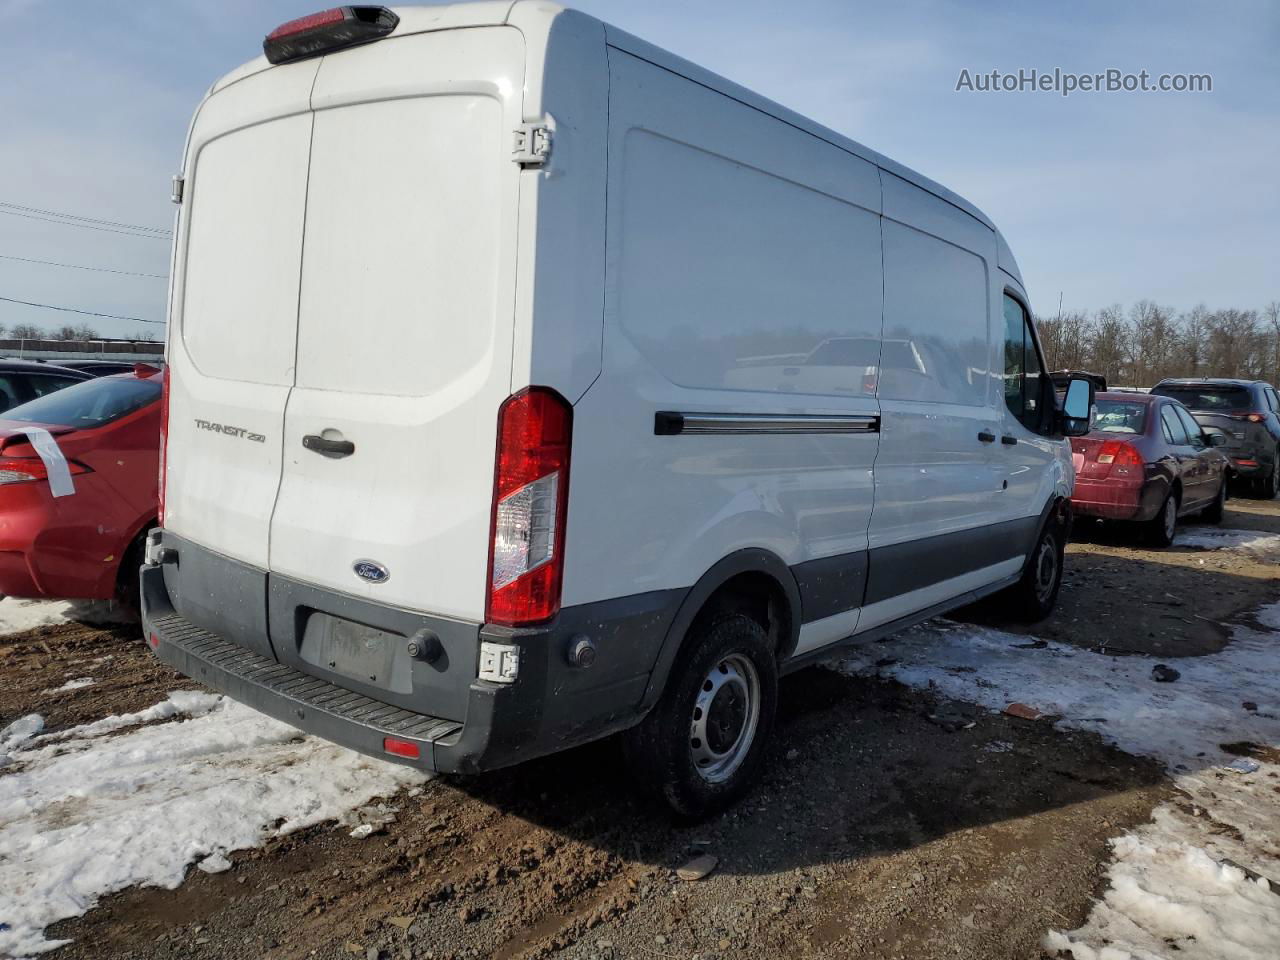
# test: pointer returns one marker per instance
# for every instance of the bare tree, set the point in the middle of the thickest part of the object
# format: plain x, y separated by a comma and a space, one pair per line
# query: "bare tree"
1271, 316
1109, 344
27, 331
80, 332
1235, 347
1065, 340
145, 335
1155, 341
1193, 340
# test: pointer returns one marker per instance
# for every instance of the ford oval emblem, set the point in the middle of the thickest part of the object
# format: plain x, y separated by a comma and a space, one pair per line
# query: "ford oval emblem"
371, 571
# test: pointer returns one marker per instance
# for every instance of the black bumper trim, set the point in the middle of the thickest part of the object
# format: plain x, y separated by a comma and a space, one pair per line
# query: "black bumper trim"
288, 695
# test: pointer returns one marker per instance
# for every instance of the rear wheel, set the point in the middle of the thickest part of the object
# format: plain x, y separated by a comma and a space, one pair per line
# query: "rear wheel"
703, 743
127, 585
1213, 513
1161, 528
1035, 595
1267, 487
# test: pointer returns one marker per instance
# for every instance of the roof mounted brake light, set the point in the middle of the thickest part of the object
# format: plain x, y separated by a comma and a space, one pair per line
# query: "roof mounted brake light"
320, 33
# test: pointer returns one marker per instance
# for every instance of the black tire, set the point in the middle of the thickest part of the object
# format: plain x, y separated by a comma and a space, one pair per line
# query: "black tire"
127, 584
1213, 513
662, 752
1033, 597
1266, 488
1160, 530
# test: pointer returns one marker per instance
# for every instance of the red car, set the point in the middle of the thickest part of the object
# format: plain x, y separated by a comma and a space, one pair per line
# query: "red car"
1148, 461
87, 541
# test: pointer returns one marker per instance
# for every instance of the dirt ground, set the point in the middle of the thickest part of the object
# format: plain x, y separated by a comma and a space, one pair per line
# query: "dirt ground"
881, 830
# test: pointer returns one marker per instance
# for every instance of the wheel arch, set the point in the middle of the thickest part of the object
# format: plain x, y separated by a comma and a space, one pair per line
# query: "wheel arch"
1057, 511
757, 579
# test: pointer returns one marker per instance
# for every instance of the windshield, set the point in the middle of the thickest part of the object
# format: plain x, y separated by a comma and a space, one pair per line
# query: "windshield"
1120, 416
88, 404
1207, 396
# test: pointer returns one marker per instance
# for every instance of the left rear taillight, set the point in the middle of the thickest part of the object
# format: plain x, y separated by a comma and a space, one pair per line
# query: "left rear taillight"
27, 469
530, 497
1122, 459
163, 460
326, 31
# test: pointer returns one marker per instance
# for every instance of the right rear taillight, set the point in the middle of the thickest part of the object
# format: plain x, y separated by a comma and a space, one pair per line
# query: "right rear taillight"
27, 469
530, 495
163, 464
1123, 458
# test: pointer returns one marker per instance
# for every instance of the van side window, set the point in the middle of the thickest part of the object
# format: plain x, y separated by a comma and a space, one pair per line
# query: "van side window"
1177, 434
787, 296
936, 324
1023, 375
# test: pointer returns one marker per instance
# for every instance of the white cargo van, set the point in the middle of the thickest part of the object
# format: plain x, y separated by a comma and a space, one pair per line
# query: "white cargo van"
530, 384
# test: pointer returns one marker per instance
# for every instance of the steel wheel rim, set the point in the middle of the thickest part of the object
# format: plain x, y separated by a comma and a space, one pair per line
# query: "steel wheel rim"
725, 716
1170, 517
1046, 569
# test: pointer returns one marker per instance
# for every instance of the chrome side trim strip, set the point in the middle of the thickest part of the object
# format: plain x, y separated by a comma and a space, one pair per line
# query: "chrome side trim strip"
670, 424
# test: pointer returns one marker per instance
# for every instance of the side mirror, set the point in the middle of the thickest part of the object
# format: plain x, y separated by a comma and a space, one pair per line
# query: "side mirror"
1077, 405
1214, 436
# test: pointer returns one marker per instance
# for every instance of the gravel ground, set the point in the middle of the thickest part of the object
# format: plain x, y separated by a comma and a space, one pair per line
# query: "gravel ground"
889, 823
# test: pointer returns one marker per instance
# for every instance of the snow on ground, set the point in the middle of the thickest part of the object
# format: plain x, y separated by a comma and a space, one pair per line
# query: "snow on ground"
77, 684
1263, 546
1194, 882
17, 614
83, 815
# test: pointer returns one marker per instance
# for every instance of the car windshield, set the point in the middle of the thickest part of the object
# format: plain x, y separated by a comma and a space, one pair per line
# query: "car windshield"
1206, 396
88, 404
1120, 416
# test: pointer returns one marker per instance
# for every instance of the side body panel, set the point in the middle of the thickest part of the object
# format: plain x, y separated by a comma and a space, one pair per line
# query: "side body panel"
1036, 468
934, 532
737, 246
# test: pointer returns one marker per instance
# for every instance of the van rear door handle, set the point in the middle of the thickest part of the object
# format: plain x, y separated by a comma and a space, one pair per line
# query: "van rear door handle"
327, 447
1008, 441
987, 437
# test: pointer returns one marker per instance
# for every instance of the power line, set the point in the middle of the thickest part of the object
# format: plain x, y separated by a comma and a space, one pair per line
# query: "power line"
87, 313
77, 266
74, 216
87, 226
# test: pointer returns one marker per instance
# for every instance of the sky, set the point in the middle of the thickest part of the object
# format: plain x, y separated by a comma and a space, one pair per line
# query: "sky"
1103, 197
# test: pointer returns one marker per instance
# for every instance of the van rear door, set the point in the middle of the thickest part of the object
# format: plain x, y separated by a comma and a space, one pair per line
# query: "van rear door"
405, 322
234, 309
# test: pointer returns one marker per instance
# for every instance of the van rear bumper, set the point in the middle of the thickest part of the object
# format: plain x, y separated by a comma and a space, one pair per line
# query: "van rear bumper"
551, 706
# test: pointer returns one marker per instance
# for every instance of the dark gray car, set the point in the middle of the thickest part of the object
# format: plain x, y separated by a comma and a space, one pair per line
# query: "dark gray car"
1248, 412
23, 380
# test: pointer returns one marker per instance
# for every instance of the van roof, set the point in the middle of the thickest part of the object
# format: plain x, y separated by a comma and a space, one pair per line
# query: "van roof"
421, 19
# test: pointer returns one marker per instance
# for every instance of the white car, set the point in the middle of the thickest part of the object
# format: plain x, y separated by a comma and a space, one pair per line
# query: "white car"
460, 468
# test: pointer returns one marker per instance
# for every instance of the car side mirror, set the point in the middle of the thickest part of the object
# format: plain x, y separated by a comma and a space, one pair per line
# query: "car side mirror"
1077, 406
1214, 436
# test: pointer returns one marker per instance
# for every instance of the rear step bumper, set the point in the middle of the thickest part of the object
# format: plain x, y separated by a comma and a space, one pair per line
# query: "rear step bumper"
550, 707
310, 704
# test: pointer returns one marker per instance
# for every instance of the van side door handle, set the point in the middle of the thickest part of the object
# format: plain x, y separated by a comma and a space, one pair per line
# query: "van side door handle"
1008, 441
327, 447
986, 437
